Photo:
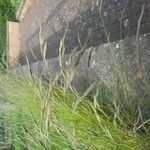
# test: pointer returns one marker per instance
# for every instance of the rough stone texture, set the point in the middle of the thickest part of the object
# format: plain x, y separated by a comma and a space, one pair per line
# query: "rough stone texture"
97, 63
120, 18
23, 9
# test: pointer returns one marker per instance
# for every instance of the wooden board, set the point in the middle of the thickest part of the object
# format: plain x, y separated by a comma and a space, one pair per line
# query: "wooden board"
13, 43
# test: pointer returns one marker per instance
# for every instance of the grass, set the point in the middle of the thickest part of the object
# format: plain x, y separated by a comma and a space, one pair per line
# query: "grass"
40, 115
47, 116
54, 115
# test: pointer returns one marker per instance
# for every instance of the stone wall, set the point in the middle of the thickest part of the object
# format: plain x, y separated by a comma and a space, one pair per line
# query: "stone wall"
118, 18
98, 62
23, 9
97, 65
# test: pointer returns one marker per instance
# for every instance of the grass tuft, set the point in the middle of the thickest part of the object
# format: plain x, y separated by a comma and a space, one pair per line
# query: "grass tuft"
45, 116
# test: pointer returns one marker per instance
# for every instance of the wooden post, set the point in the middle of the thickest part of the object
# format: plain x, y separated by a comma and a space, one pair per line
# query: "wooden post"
13, 43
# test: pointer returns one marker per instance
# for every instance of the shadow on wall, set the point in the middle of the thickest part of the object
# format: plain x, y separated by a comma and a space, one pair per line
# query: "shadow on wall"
90, 25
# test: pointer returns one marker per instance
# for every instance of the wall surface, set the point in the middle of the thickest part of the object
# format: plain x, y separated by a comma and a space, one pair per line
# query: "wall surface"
23, 9
98, 61
118, 19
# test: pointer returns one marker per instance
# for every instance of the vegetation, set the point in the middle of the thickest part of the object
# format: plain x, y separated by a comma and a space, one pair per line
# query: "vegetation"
53, 115
7, 12
48, 116
38, 115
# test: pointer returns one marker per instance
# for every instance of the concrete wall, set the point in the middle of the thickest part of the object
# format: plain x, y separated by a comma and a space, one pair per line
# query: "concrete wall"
120, 18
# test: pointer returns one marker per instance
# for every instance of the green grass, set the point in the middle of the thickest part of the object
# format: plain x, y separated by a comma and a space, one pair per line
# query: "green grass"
47, 116
44, 116
53, 115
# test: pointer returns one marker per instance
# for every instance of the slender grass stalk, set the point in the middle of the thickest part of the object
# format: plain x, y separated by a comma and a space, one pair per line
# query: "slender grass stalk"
44, 118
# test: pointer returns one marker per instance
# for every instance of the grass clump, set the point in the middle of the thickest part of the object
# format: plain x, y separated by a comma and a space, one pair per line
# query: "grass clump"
47, 116
53, 115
